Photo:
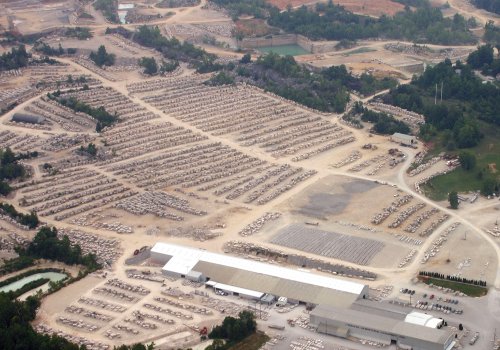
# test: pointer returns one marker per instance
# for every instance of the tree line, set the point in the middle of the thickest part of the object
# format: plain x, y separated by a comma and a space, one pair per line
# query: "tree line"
31, 220
328, 21
488, 5
48, 50
81, 33
174, 50
103, 117
452, 278
334, 22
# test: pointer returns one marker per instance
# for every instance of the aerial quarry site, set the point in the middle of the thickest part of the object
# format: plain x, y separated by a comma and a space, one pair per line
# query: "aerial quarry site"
202, 189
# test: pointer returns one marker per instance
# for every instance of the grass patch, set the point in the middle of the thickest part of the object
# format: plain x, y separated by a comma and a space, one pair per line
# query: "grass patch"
468, 289
487, 152
252, 342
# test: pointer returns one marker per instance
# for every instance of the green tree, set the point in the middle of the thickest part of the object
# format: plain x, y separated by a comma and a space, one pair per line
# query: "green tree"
149, 64
467, 160
247, 58
102, 58
489, 186
453, 199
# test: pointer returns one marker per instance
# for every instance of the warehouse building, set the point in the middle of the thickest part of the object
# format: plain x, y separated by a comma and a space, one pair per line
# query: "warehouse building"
253, 279
414, 330
342, 307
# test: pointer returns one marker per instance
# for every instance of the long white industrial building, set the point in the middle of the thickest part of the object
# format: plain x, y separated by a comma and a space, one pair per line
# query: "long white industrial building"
255, 276
342, 308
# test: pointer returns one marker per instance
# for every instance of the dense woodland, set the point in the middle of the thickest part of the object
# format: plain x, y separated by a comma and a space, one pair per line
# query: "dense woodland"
333, 22
492, 34
325, 90
488, 5
328, 21
466, 100
15, 59
483, 59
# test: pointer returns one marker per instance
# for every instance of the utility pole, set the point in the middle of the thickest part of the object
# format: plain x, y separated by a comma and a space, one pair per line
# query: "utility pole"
441, 91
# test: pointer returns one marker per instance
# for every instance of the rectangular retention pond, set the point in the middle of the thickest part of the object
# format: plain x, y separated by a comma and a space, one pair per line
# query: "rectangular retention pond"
283, 50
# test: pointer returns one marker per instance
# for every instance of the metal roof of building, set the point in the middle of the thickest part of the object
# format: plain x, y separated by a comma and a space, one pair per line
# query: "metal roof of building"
27, 118
233, 289
186, 258
403, 136
257, 276
382, 324
422, 319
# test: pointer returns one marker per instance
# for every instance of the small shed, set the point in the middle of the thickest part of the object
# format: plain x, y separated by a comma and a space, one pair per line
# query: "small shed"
27, 118
195, 276
407, 140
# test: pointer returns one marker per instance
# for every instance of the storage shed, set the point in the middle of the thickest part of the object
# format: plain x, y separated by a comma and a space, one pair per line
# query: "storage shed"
403, 139
27, 118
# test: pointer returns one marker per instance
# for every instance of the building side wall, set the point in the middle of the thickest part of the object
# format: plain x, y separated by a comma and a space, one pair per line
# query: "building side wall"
327, 326
324, 325
159, 258
419, 344
275, 40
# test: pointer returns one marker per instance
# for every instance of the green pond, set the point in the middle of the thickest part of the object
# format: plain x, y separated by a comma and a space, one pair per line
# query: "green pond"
53, 276
292, 50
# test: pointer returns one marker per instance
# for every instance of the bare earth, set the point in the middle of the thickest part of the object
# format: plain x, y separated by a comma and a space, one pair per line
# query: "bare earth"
194, 165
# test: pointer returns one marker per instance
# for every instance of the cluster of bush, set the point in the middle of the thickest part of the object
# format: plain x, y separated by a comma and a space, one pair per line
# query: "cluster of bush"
103, 117
452, 278
15, 59
30, 220
10, 169
232, 330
